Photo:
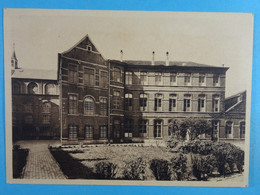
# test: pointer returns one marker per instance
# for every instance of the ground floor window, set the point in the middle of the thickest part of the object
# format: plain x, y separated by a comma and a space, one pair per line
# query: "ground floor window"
229, 126
142, 126
215, 125
129, 128
73, 132
157, 128
88, 132
117, 128
103, 131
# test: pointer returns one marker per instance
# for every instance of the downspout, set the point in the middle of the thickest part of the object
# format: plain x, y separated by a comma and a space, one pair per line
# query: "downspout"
60, 97
109, 99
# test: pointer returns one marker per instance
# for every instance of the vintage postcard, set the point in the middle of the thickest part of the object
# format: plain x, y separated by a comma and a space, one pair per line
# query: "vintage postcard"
127, 98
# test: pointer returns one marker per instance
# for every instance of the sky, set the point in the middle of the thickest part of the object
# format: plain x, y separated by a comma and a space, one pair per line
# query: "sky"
207, 38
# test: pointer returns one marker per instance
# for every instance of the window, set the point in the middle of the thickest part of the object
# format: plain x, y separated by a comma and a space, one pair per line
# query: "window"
215, 125
117, 75
103, 132
229, 126
33, 88
242, 129
73, 132
28, 119
173, 79
172, 102
215, 103
187, 103
46, 107
88, 76
89, 107
73, 104
45, 118
103, 106
50, 89
157, 128
158, 102
187, 79
143, 102
128, 101
158, 78
143, 78
116, 100
201, 103
97, 78
28, 107
128, 78
117, 128
88, 132
142, 126
104, 80
73, 73
89, 47
215, 80
202, 79
128, 128
16, 88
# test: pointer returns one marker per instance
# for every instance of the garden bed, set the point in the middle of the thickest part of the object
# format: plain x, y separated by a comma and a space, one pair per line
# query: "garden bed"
19, 161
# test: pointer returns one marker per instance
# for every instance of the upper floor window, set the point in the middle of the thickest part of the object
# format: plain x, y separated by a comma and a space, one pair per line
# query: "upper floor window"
173, 102
73, 73
187, 103
50, 89
158, 78
89, 106
129, 127
89, 47
187, 79
89, 76
116, 100
158, 102
173, 78
128, 101
215, 103
128, 78
46, 107
143, 102
215, 80
33, 88
103, 106
202, 80
104, 80
16, 88
117, 75
73, 104
201, 103
143, 78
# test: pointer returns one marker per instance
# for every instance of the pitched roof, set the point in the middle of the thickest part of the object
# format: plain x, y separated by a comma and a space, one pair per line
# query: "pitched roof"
35, 74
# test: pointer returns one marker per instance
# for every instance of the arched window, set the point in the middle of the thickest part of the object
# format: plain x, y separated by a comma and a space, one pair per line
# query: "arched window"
89, 108
16, 88
46, 107
128, 101
33, 88
50, 89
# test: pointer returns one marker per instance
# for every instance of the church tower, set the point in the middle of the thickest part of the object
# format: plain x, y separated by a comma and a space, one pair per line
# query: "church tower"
14, 61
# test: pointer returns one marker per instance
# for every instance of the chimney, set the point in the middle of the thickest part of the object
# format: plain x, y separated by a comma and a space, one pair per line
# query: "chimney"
121, 56
223, 65
153, 58
167, 59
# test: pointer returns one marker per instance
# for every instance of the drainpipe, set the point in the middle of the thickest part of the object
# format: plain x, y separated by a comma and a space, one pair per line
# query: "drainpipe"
109, 99
60, 97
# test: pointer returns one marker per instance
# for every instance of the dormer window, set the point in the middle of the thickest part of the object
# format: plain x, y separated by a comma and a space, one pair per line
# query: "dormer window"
89, 47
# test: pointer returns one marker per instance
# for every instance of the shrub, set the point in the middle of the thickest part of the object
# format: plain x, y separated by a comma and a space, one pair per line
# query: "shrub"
197, 147
179, 165
134, 169
171, 142
160, 169
106, 170
19, 160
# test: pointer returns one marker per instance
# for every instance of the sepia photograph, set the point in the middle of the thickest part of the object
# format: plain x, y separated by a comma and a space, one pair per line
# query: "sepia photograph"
127, 97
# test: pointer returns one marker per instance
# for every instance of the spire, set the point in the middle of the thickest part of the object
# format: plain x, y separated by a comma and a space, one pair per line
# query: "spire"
14, 61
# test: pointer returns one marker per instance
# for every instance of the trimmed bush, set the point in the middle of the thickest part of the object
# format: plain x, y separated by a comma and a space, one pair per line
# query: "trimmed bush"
160, 169
106, 170
197, 147
179, 165
134, 169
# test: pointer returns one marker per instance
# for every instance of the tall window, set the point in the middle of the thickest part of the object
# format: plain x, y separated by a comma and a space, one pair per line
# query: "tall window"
142, 126
73, 73
33, 88
88, 132
242, 129
89, 107
117, 128
128, 78
157, 128
103, 132
103, 106
215, 80
215, 125
158, 78
73, 104
201, 103
50, 89
229, 127
143, 78
129, 127
215, 103
202, 81
143, 102
46, 118
158, 102
187, 103
173, 102
46, 107
104, 80
117, 75
187, 79
97, 78
128, 101
73, 132
16, 88
28, 107
173, 78
116, 100
88, 76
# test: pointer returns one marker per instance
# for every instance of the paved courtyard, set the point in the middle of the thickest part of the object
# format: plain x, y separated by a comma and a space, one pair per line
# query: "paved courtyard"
40, 163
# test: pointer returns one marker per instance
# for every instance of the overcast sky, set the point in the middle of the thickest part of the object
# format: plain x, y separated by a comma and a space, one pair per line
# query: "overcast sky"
207, 38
